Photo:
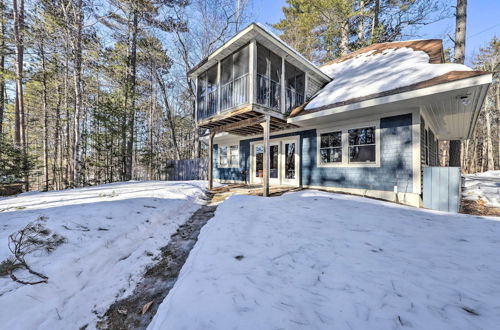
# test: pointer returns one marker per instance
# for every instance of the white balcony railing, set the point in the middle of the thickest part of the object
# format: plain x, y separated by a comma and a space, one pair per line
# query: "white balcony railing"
234, 93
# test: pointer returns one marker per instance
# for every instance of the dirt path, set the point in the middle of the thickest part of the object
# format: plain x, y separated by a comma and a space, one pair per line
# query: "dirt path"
133, 312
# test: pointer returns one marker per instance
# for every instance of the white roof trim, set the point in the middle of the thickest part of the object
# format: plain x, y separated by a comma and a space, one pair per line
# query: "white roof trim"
441, 88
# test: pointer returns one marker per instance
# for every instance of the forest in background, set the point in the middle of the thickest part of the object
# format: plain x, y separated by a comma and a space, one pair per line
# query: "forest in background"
97, 91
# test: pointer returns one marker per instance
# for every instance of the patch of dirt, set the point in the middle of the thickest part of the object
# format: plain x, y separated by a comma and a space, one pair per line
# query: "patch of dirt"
478, 207
137, 310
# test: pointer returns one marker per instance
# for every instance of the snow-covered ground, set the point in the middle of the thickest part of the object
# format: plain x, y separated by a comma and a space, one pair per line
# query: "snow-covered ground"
484, 186
315, 260
113, 232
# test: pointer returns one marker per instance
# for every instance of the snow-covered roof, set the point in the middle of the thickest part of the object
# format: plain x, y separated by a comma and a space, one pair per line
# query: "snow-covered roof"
384, 68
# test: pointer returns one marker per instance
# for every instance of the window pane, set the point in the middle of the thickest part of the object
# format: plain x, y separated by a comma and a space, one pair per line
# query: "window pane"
273, 166
333, 139
234, 155
362, 136
241, 62
362, 154
223, 155
289, 160
259, 161
330, 155
226, 70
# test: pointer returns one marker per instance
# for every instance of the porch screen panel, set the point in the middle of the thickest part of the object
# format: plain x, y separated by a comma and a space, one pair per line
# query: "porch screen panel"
212, 90
202, 91
295, 86
240, 75
226, 83
268, 78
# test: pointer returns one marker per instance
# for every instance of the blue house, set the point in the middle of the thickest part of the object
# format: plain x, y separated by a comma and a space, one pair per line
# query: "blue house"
367, 123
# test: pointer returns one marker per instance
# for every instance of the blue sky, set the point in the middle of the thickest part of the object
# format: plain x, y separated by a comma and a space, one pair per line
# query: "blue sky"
483, 22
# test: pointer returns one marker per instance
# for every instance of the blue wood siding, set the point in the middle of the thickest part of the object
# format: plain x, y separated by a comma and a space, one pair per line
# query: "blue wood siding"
395, 161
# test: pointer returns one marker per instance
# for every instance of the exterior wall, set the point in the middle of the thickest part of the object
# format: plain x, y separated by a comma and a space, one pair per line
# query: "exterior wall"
312, 87
396, 161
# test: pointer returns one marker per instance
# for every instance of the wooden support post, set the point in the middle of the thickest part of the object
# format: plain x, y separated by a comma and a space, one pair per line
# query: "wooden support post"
266, 125
211, 161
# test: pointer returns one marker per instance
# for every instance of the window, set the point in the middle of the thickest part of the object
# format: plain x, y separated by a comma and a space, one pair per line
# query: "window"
234, 156
362, 145
223, 156
229, 156
331, 147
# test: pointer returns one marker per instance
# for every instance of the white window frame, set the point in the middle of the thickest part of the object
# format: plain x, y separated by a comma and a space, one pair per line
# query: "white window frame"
228, 148
345, 144
341, 147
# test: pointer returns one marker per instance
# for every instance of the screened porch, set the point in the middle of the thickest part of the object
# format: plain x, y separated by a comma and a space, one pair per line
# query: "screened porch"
252, 75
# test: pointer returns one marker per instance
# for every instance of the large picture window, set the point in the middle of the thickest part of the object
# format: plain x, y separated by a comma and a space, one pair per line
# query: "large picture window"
362, 145
331, 147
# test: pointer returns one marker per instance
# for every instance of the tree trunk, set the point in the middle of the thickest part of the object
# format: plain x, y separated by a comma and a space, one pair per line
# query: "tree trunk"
375, 21
344, 38
361, 25
461, 18
489, 142
2, 65
77, 75
170, 118
57, 166
19, 126
131, 123
45, 119
454, 154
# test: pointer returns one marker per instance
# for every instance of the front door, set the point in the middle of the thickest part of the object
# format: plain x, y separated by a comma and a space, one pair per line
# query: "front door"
274, 166
284, 162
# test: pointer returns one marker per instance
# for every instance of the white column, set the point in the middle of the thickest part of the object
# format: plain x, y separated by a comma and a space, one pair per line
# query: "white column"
266, 125
219, 87
283, 86
196, 100
252, 90
211, 161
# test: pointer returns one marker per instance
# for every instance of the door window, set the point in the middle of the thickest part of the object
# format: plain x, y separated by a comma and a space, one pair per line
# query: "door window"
290, 161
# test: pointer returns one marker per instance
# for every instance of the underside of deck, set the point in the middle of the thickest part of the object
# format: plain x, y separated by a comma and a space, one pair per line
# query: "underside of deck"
245, 121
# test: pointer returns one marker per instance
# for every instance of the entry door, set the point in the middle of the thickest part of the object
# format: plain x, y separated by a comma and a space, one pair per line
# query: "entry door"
274, 165
290, 162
